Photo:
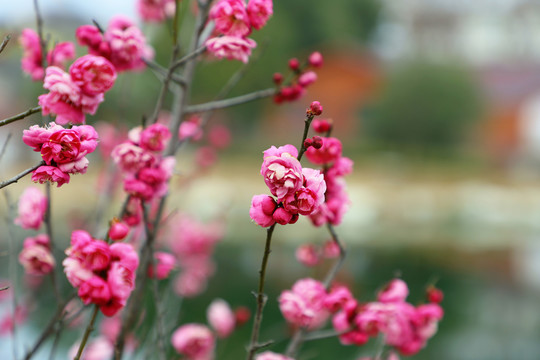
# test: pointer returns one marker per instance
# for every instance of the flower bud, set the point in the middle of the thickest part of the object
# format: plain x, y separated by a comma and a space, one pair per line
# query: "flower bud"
277, 78
434, 295
307, 143
242, 315
294, 64
315, 108
315, 59
322, 125
317, 142
282, 216
118, 230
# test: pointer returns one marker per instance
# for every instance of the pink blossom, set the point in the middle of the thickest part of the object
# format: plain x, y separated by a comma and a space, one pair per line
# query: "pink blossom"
282, 216
94, 290
36, 256
308, 255
96, 255
259, 11
118, 230
268, 355
36, 135
156, 10
126, 255
309, 197
60, 54
127, 45
337, 298
231, 47
341, 167
195, 341
303, 305
288, 149
342, 322
328, 153
121, 280
154, 137
321, 125
75, 271
262, 208
31, 61
315, 59
91, 36
221, 318
93, 74
190, 129
63, 146
194, 238
31, 209
165, 263
75, 167
306, 79
396, 291
231, 17
331, 249
282, 173
50, 173
131, 158
189, 284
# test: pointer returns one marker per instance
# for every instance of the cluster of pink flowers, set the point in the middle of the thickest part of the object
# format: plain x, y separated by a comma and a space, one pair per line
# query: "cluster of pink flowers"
304, 76
197, 341
63, 150
336, 167
234, 21
193, 244
31, 208
405, 327
32, 59
123, 43
146, 172
156, 10
103, 274
298, 190
36, 256
79, 92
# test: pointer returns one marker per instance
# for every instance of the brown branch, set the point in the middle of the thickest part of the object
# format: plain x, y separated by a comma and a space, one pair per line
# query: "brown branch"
17, 177
5, 42
307, 124
221, 104
20, 116
261, 297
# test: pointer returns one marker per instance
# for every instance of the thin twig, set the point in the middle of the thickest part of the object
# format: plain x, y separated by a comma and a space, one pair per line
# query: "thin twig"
164, 73
4, 288
5, 146
188, 57
261, 297
337, 265
17, 177
20, 116
87, 332
221, 104
42, 43
307, 124
5, 42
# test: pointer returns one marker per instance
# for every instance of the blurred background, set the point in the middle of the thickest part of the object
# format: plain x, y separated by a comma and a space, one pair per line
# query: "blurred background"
436, 101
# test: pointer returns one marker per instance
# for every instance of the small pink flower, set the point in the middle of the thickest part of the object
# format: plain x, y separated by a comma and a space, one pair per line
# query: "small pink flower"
118, 230
96, 255
331, 249
93, 74
303, 305
94, 290
231, 47
341, 323
61, 53
308, 255
75, 271
282, 216
31, 59
126, 255
32, 208
189, 284
315, 59
396, 291
36, 135
190, 129
231, 17
282, 172
156, 10
154, 137
36, 257
131, 158
307, 79
62, 147
221, 318
268, 355
262, 208
309, 197
165, 263
89, 35
328, 153
195, 341
259, 11
50, 173
75, 167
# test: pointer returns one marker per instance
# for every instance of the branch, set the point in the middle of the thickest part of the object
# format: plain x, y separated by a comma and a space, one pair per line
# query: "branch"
17, 177
221, 104
20, 116
307, 124
188, 57
4, 42
261, 297
3, 151
342, 254
87, 332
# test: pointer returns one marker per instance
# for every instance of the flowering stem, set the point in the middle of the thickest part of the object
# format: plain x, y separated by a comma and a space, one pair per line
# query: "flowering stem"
20, 175
221, 104
307, 124
20, 116
87, 332
261, 297
4, 42
342, 254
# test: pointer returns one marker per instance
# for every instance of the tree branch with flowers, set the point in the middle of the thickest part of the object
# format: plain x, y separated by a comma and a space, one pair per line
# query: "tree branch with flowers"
111, 266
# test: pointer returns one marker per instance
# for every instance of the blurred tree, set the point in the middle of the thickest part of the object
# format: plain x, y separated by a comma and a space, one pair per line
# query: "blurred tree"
424, 105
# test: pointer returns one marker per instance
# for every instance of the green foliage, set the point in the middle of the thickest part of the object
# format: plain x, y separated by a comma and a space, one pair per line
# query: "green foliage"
424, 105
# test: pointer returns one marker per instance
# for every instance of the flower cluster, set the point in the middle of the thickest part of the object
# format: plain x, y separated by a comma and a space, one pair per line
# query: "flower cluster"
234, 21
79, 92
123, 43
146, 172
298, 191
156, 10
193, 244
31, 209
336, 166
405, 327
304, 76
63, 150
36, 256
32, 59
103, 274
197, 341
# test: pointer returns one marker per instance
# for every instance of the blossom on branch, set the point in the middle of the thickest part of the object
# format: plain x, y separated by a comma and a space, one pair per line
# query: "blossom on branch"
31, 209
